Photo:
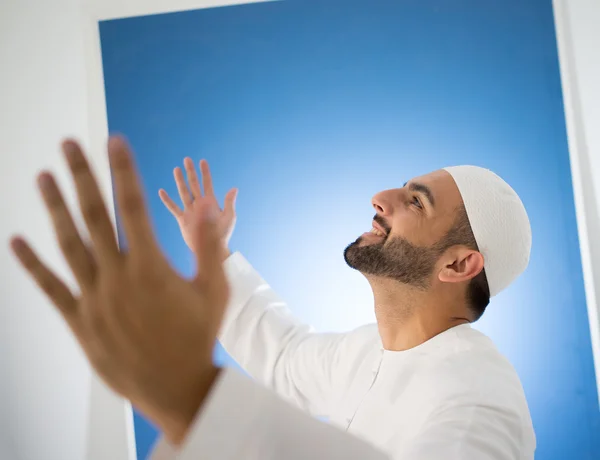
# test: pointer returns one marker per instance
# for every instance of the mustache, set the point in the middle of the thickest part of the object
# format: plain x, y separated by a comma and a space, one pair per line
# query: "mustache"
381, 221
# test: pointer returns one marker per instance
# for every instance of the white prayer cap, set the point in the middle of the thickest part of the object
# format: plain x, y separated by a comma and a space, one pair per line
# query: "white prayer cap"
499, 222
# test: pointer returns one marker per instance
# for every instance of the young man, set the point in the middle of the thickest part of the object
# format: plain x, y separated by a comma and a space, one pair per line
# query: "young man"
421, 383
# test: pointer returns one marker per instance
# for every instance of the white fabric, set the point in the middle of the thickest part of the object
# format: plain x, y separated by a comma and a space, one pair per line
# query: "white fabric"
499, 222
243, 420
454, 397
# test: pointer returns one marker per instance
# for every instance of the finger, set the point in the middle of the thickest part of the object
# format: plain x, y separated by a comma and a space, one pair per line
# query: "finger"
229, 203
76, 253
53, 287
211, 275
182, 188
92, 205
129, 197
169, 203
207, 183
192, 177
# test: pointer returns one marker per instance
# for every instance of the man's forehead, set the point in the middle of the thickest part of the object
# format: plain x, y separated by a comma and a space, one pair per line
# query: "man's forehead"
440, 175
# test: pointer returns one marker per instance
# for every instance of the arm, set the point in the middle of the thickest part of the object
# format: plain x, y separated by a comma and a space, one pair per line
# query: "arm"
276, 349
259, 331
243, 420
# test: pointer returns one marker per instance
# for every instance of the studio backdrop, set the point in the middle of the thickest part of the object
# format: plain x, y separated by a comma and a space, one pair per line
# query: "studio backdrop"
311, 107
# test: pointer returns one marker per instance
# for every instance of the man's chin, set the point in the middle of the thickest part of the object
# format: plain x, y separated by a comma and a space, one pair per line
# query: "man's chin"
354, 254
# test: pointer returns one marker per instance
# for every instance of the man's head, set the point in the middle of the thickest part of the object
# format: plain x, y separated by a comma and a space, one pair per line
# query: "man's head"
462, 227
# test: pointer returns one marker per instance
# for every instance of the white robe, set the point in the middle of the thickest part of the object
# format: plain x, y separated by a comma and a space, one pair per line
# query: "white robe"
455, 397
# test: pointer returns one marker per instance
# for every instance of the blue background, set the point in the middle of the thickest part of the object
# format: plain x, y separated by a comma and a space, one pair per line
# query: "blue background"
310, 108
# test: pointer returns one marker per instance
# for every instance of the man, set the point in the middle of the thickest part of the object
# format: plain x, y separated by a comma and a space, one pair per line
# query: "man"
439, 247
137, 321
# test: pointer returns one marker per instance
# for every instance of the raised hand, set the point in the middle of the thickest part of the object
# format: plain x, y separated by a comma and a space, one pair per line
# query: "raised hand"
192, 198
147, 331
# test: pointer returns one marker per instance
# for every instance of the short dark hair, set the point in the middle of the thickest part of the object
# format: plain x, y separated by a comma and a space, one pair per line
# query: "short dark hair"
478, 290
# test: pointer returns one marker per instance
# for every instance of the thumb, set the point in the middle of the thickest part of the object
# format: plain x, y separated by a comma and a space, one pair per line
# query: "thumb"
229, 202
210, 276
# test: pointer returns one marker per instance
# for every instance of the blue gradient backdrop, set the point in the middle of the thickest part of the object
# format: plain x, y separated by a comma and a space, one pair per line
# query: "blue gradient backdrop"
312, 107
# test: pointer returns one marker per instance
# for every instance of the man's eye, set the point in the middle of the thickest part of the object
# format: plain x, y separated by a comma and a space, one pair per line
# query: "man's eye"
416, 202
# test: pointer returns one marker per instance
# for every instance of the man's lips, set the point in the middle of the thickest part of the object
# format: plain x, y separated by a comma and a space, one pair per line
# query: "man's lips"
379, 229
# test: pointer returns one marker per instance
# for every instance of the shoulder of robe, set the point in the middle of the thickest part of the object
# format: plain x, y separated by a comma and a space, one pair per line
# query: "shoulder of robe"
361, 346
477, 375
363, 339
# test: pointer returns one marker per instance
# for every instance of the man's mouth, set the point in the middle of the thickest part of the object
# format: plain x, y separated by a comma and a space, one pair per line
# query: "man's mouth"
377, 232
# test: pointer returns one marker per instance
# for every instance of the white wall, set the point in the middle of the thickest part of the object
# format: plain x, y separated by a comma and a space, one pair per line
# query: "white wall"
45, 381
578, 43
51, 87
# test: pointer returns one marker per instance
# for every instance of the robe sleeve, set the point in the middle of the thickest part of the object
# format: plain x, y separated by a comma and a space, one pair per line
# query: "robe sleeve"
242, 419
275, 348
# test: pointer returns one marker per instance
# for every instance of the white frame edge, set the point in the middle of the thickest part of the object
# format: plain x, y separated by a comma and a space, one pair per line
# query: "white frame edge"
111, 430
583, 190
114, 9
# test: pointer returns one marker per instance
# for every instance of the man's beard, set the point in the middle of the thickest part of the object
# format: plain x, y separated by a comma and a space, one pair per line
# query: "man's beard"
395, 258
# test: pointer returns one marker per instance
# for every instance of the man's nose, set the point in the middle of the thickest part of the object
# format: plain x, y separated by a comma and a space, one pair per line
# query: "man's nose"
382, 203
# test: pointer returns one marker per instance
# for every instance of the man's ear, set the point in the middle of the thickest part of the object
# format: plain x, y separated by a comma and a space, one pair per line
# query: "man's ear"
461, 265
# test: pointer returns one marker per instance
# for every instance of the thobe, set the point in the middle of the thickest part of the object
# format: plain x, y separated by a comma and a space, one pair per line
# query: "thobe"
454, 397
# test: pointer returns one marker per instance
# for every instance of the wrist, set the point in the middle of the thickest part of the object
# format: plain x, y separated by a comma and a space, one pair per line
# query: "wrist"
177, 427
225, 253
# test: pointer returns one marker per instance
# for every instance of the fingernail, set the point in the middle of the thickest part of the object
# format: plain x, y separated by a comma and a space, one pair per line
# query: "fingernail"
70, 150
116, 152
45, 181
17, 243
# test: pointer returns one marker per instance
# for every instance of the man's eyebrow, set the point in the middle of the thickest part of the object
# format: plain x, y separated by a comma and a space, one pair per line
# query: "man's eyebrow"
421, 188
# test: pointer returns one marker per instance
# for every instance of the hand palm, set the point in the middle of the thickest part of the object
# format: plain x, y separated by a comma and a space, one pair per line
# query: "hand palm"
188, 222
193, 197
136, 318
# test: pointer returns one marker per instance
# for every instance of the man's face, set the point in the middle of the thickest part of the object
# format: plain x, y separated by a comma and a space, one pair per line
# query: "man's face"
409, 227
